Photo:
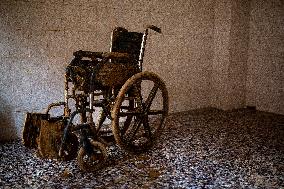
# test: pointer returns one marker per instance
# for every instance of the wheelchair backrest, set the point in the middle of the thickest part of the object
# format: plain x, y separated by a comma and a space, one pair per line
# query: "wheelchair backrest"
126, 42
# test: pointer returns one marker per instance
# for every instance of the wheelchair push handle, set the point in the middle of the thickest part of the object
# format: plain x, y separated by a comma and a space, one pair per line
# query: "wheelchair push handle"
154, 28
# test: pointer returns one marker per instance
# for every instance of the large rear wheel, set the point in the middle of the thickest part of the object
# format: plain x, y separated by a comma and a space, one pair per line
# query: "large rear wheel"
139, 112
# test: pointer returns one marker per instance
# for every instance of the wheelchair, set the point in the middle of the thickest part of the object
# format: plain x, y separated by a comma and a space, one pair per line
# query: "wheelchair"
113, 102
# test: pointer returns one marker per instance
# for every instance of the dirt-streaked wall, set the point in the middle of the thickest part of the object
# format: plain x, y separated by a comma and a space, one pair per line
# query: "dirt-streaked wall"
265, 78
195, 54
229, 65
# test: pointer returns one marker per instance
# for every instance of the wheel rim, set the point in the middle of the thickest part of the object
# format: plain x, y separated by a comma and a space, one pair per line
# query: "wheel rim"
135, 129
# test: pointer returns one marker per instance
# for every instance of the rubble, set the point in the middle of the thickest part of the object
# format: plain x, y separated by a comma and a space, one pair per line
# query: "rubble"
198, 149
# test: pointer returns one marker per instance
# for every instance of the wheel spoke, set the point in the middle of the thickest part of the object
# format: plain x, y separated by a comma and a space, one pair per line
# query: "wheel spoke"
128, 117
139, 97
151, 96
129, 113
137, 113
147, 127
126, 125
136, 125
155, 112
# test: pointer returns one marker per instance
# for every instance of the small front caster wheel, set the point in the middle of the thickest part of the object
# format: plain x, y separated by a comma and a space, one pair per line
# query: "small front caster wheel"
90, 160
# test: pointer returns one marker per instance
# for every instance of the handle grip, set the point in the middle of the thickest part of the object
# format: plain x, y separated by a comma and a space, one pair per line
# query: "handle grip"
155, 28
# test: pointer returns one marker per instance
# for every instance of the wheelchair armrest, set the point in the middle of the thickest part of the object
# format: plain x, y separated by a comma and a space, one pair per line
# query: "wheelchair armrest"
103, 55
116, 55
88, 54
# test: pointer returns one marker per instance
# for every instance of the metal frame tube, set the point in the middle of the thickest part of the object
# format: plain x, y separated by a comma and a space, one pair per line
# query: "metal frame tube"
142, 50
66, 106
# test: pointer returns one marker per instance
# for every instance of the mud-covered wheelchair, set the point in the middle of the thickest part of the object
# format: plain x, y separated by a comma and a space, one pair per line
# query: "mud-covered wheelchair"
108, 100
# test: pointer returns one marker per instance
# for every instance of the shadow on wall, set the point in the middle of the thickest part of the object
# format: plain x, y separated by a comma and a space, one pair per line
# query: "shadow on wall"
8, 129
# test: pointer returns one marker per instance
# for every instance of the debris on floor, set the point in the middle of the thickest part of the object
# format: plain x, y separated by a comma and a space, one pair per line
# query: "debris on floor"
206, 148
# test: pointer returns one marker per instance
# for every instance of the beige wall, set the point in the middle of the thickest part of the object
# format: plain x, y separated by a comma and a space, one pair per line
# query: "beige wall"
229, 65
202, 52
265, 79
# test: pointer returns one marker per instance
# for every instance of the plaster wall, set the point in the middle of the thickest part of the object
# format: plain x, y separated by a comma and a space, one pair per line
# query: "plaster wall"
229, 65
238, 48
38, 38
265, 78
225, 54
221, 58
